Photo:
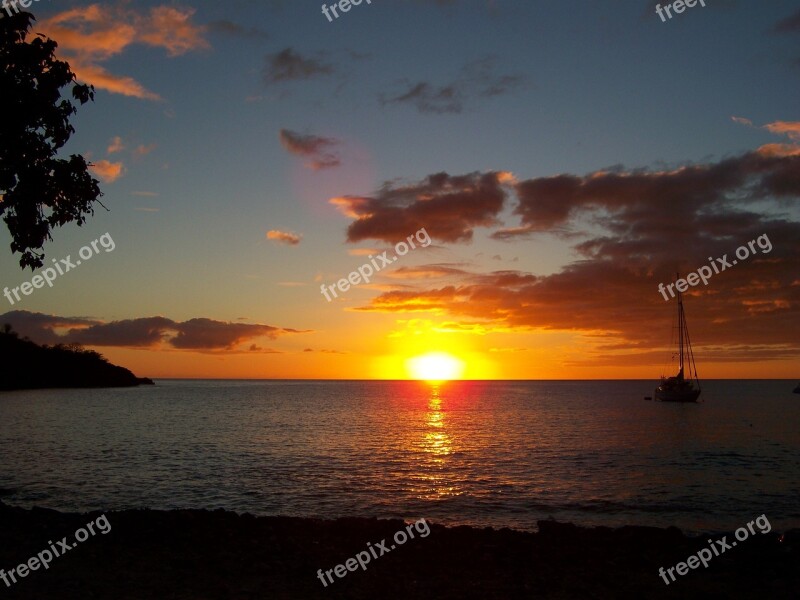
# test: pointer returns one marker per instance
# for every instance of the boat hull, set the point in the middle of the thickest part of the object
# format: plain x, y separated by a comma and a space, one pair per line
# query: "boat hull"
690, 395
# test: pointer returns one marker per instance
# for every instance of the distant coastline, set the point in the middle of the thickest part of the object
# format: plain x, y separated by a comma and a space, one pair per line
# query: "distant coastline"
28, 366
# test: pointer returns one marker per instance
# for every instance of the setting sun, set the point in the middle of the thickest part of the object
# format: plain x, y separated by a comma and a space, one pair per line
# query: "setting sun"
435, 366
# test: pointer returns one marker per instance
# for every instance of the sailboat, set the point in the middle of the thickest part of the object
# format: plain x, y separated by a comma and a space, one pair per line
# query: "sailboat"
681, 388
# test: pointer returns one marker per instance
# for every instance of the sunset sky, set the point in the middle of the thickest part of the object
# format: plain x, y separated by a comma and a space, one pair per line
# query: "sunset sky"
564, 157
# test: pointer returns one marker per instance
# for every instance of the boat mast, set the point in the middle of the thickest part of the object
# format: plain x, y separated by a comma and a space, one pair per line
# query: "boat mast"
690, 353
680, 330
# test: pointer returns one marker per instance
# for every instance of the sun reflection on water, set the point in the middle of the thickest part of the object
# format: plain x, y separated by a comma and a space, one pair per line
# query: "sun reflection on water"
437, 442
434, 471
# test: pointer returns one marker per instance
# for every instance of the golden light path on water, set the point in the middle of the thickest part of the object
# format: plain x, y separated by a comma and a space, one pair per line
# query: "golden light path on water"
436, 446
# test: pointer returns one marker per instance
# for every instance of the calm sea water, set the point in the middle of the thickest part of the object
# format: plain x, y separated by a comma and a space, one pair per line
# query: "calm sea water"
493, 453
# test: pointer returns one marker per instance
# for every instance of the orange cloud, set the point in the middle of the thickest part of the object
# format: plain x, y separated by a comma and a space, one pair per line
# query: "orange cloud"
790, 129
426, 272
116, 145
787, 128
142, 150
172, 29
778, 150
107, 171
115, 84
362, 251
284, 237
90, 35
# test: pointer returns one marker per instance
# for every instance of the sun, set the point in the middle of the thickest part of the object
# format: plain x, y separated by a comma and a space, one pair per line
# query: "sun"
435, 366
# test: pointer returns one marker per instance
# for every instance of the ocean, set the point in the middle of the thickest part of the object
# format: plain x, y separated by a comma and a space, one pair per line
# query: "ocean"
499, 454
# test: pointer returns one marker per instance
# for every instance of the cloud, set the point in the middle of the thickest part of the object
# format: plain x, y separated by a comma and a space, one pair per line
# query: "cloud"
206, 335
311, 146
131, 333
634, 229
791, 129
448, 207
90, 35
232, 29
107, 171
144, 150
103, 80
426, 272
790, 24
288, 65
476, 80
549, 204
115, 145
779, 150
145, 194
284, 237
362, 251
171, 28
42, 328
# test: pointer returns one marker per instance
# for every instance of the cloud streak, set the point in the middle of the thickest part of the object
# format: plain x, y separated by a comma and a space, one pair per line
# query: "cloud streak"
284, 237
476, 80
313, 147
201, 334
288, 65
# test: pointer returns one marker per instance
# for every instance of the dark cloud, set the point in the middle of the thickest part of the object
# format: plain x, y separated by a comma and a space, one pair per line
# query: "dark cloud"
448, 207
640, 201
313, 147
207, 334
428, 98
131, 333
232, 29
42, 328
288, 65
790, 24
476, 80
147, 332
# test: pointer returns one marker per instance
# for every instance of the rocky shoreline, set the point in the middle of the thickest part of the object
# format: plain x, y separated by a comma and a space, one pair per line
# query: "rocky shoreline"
199, 554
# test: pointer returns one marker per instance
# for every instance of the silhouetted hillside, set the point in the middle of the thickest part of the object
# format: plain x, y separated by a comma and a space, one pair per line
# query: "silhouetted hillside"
25, 365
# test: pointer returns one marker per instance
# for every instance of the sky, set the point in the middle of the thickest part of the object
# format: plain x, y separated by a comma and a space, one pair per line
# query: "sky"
556, 161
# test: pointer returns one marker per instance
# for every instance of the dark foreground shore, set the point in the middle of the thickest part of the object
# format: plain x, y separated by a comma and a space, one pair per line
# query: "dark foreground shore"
195, 554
